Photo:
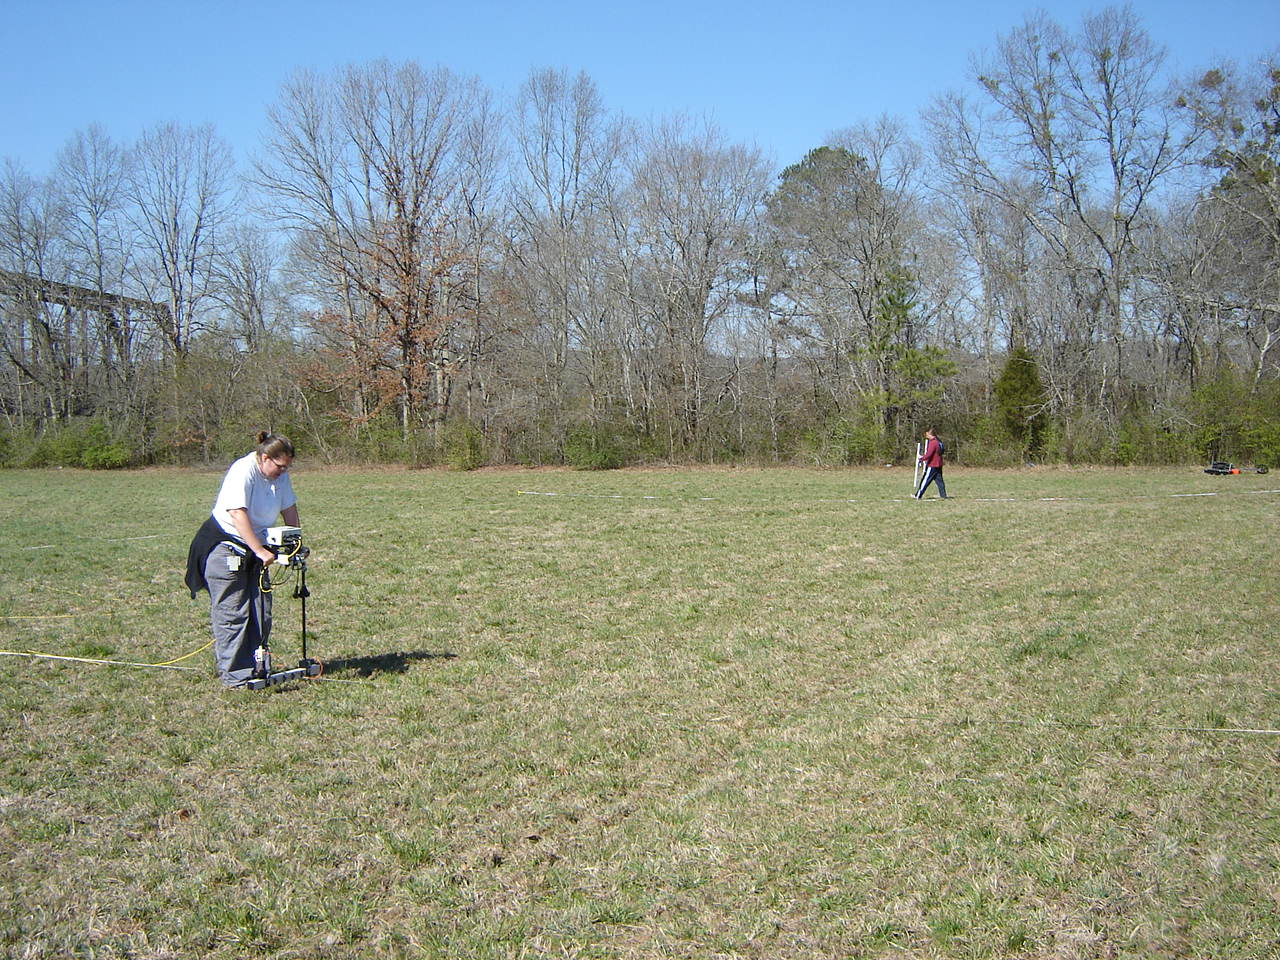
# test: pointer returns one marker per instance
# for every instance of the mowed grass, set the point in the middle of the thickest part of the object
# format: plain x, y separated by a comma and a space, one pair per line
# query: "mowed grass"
664, 713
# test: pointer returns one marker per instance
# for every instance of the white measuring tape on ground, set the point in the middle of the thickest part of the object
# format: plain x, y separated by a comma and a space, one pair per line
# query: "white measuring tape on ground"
50, 546
1117, 499
1066, 724
604, 496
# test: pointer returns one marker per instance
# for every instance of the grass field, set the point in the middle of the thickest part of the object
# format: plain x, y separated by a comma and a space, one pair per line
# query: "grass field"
664, 713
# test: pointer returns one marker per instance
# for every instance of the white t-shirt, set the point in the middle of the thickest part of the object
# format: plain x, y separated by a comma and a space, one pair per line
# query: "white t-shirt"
245, 487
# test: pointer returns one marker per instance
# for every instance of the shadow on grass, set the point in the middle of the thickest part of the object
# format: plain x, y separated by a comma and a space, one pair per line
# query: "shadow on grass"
397, 662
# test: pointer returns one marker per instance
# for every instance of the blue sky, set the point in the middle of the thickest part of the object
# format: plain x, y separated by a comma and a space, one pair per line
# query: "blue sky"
781, 75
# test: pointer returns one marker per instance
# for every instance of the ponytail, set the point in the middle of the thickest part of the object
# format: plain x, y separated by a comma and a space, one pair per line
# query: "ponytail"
273, 445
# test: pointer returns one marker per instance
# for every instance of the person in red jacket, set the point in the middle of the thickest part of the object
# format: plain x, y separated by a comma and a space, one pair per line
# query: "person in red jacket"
932, 460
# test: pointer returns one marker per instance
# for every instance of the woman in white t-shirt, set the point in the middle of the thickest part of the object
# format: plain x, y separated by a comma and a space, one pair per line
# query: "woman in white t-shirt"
233, 554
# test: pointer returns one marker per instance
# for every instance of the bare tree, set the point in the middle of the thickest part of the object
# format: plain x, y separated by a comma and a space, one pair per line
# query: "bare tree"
481, 154
179, 190
365, 167
243, 272
1075, 141
39, 336
1238, 114
92, 175
569, 154
695, 199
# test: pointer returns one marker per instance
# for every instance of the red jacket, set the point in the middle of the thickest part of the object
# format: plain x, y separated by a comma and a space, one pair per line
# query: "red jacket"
932, 456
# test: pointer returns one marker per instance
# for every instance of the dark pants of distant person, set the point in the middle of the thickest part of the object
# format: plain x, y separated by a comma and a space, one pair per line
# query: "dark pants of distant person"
932, 475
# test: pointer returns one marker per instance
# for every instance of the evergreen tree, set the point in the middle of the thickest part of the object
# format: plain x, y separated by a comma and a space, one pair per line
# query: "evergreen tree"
1020, 399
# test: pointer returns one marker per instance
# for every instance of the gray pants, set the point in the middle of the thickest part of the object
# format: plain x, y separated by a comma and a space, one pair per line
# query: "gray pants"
239, 612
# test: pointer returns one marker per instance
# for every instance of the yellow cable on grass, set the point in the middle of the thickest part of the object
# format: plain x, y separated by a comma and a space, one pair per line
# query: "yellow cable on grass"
166, 664
185, 656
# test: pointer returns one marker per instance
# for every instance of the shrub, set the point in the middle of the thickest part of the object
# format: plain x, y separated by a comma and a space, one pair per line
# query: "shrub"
988, 444
114, 455
382, 440
1263, 442
100, 449
842, 442
88, 443
586, 448
13, 446
1232, 418
464, 446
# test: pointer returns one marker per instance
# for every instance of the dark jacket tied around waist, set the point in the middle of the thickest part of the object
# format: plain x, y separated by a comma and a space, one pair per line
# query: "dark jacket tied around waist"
207, 537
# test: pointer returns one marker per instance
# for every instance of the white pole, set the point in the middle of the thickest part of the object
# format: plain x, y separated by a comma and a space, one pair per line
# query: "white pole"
915, 474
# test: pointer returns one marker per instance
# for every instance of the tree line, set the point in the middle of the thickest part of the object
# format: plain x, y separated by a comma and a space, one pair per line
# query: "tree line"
1077, 258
